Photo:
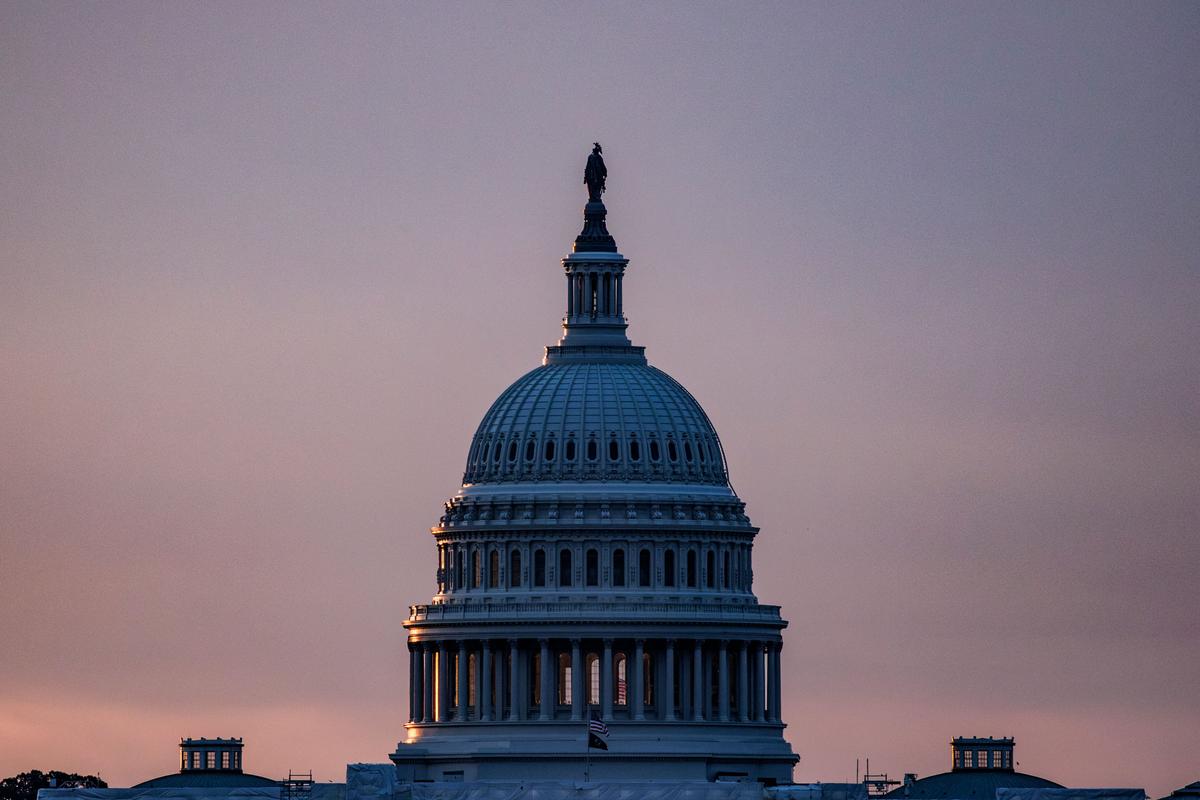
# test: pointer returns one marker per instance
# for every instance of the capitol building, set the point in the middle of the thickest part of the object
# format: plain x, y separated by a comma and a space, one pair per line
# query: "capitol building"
595, 563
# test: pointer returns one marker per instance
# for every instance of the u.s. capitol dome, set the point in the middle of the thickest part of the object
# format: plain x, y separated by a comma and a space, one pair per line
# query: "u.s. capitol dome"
595, 563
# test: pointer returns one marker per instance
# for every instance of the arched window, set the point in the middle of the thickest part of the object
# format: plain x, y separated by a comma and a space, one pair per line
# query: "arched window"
621, 695
593, 675
564, 679
471, 679
725, 571
549, 449
476, 570
687, 451
644, 568
570, 451
512, 450
700, 448
710, 561
535, 678
564, 567
514, 569
496, 452
672, 451
494, 570
530, 450
614, 451
654, 453
635, 451
669, 568
691, 569
592, 452
539, 567
593, 568
462, 569
618, 567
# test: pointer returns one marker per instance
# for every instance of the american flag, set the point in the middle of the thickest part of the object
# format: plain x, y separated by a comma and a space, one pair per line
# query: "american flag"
596, 725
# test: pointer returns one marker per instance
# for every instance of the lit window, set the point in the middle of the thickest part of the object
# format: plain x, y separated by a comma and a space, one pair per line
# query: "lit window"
211, 760
622, 681
225, 760
476, 570
564, 679
593, 671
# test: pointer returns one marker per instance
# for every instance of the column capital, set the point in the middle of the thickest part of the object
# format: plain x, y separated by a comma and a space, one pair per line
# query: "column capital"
576, 641
511, 642
670, 641
544, 641
607, 641
462, 645
639, 642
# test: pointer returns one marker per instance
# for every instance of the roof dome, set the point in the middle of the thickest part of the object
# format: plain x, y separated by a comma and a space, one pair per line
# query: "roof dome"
596, 421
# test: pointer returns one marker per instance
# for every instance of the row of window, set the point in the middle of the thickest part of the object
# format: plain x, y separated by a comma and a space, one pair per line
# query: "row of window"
208, 759
978, 759
725, 569
702, 451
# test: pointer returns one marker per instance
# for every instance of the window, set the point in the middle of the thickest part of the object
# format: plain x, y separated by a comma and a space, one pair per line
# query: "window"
647, 680
564, 679
614, 451
476, 570
593, 568
564, 567
710, 580
618, 567
183, 759
622, 696
494, 570
592, 452
462, 569
570, 451
496, 453
654, 454
644, 568
700, 451
669, 568
512, 450
687, 451
725, 571
514, 569
210, 760
225, 759
539, 567
196, 759
672, 451
691, 569
471, 679
530, 450
635, 451
535, 678
593, 672
549, 449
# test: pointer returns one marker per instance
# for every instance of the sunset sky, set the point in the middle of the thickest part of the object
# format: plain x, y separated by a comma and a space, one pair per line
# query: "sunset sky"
932, 269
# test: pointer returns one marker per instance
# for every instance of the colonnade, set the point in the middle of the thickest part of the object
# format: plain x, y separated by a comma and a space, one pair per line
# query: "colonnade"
594, 293
691, 680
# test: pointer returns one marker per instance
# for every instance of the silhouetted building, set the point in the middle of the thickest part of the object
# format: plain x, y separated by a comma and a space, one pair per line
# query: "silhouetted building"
978, 767
208, 763
1189, 792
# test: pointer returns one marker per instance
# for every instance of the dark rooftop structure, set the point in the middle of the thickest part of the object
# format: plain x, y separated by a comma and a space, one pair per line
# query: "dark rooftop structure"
979, 766
208, 763
1189, 792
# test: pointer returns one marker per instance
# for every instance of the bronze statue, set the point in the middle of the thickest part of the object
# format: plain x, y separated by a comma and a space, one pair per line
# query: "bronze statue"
595, 173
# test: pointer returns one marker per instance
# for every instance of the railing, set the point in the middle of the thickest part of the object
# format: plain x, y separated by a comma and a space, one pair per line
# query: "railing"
593, 610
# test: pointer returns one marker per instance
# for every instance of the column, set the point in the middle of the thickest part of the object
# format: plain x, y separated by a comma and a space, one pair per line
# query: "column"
635, 693
462, 684
668, 693
484, 671
427, 707
514, 681
413, 685
570, 305
606, 681
698, 682
685, 689
743, 695
772, 682
723, 681
498, 685
443, 687
619, 299
577, 690
779, 681
757, 704
546, 692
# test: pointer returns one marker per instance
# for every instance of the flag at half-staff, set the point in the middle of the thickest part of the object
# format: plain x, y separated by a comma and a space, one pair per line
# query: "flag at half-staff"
597, 729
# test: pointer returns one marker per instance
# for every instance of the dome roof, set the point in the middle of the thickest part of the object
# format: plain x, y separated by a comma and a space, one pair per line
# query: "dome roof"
604, 421
969, 785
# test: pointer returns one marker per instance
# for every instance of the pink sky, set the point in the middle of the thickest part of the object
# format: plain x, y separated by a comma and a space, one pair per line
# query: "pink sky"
931, 269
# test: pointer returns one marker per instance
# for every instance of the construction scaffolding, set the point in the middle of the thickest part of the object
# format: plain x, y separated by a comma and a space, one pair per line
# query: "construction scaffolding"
297, 786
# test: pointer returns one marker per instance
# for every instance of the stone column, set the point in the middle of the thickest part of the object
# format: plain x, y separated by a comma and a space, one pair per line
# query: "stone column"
428, 680
461, 684
498, 685
743, 690
606, 680
668, 693
413, 685
443, 673
635, 694
515, 676
773, 695
723, 681
546, 688
756, 705
484, 698
577, 696
698, 682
